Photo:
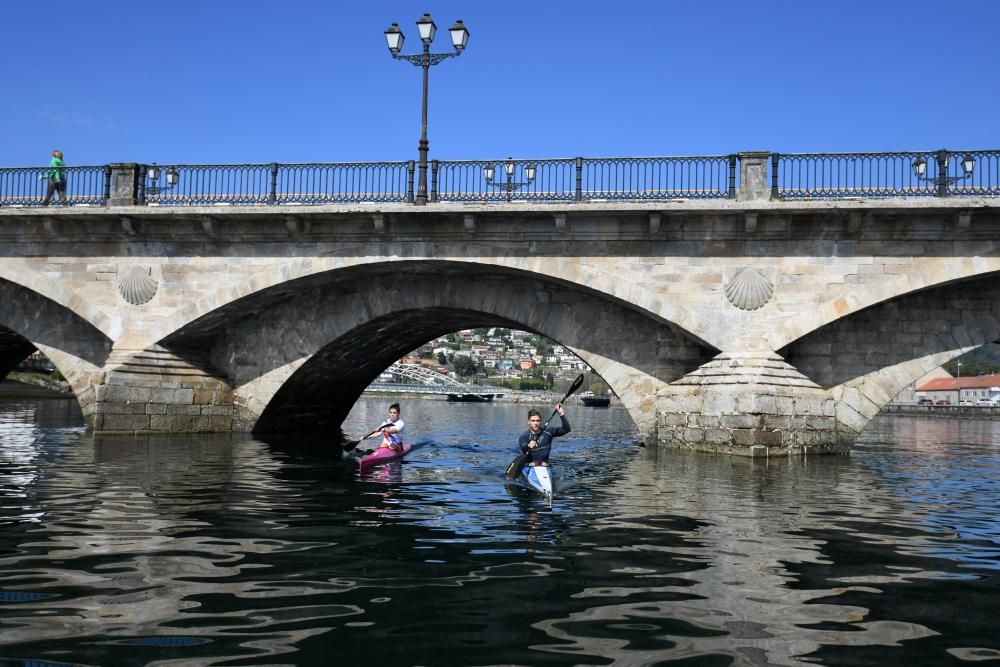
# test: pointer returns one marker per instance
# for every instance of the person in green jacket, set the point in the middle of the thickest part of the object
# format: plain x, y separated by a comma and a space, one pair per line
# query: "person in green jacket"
57, 178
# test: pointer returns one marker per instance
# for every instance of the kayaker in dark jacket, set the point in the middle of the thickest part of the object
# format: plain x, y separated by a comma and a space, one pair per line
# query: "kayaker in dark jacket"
536, 441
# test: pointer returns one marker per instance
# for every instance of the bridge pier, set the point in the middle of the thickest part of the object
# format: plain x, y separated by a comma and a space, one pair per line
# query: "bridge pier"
155, 391
750, 404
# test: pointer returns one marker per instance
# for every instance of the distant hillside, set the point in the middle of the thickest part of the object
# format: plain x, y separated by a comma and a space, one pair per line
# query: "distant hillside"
981, 361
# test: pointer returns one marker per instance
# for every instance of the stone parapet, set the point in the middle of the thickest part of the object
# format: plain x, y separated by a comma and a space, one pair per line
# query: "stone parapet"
753, 176
124, 184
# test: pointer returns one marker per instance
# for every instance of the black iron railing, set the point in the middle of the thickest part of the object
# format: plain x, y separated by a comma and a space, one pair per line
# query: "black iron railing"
792, 176
344, 183
503, 180
26, 186
263, 184
584, 179
984, 179
659, 178
874, 175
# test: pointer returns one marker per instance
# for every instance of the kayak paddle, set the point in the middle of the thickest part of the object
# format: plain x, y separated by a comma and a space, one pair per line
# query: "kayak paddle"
515, 467
351, 444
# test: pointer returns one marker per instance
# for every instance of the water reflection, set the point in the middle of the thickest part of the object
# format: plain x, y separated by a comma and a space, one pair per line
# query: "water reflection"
742, 598
213, 549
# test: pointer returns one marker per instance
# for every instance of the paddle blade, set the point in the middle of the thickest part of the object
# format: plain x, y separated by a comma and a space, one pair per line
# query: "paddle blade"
515, 467
351, 444
577, 383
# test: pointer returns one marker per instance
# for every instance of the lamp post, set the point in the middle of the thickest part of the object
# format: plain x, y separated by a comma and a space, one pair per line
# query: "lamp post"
510, 185
958, 364
153, 176
394, 39
942, 179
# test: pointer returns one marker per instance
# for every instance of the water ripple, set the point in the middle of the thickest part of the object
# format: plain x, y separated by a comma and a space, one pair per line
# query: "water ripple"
227, 550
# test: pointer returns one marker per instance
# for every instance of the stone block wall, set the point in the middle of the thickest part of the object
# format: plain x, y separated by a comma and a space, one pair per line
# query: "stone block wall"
155, 391
750, 404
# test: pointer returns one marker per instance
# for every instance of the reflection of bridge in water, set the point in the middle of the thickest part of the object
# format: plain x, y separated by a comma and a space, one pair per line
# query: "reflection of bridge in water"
418, 379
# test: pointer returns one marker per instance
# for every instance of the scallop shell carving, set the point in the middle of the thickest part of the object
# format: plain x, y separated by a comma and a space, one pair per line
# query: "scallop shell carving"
748, 289
136, 285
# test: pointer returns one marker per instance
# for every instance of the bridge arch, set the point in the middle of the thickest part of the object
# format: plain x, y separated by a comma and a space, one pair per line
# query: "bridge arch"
300, 353
866, 358
547, 268
30, 321
37, 283
920, 277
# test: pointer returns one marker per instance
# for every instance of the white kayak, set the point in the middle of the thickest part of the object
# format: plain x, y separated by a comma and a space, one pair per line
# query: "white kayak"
539, 478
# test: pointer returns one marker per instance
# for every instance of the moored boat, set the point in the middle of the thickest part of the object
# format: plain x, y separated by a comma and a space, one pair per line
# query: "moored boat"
469, 398
596, 401
478, 397
383, 455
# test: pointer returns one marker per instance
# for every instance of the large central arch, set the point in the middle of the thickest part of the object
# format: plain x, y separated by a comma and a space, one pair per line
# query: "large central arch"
300, 354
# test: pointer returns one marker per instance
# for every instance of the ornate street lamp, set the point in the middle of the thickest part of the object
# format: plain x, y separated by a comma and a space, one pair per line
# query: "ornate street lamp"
509, 185
426, 28
153, 176
942, 179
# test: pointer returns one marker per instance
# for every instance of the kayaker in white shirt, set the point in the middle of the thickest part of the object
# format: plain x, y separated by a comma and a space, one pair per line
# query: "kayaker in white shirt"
391, 430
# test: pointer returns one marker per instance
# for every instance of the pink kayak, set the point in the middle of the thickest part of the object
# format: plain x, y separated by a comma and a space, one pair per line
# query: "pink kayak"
383, 455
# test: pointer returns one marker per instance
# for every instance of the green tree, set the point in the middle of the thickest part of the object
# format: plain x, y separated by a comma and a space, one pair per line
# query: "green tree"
465, 366
543, 345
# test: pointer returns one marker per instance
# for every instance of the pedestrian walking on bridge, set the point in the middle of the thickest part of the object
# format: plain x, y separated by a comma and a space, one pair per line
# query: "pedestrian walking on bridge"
57, 178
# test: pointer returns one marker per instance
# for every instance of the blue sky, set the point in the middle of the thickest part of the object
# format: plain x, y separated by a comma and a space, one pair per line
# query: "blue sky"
298, 81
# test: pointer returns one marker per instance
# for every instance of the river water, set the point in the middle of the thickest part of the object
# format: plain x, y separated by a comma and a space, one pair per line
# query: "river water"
232, 551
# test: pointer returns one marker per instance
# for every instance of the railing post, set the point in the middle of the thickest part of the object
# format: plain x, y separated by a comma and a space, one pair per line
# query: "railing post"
126, 184
435, 165
753, 176
410, 169
143, 172
107, 183
578, 196
775, 158
272, 196
731, 193
942, 184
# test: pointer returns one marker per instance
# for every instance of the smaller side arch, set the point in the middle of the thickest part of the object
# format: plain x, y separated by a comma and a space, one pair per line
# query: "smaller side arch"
13, 350
868, 357
28, 281
927, 275
74, 345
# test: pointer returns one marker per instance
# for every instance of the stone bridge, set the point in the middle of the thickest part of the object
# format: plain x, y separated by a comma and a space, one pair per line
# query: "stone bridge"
740, 326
